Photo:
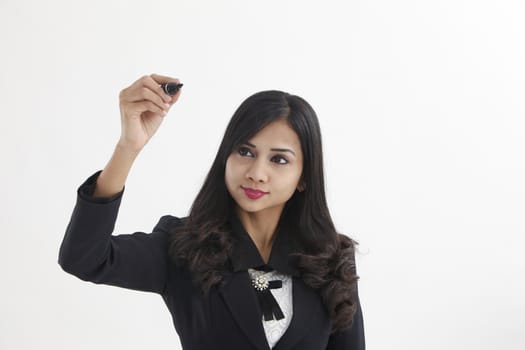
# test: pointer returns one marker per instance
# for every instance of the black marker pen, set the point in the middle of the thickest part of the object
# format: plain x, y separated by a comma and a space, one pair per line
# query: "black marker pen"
171, 88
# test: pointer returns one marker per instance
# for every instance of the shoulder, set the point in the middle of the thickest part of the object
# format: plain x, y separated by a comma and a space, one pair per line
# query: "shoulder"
346, 245
167, 223
345, 256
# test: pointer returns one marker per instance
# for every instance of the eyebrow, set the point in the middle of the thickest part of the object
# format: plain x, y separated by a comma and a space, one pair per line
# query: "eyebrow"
272, 149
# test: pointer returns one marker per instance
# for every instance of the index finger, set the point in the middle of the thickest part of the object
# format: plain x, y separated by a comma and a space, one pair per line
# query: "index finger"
161, 79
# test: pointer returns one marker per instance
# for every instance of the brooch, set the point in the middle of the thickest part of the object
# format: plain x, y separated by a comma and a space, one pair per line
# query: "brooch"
260, 283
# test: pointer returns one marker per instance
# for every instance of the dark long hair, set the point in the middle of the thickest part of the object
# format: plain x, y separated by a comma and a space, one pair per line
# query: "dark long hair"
204, 241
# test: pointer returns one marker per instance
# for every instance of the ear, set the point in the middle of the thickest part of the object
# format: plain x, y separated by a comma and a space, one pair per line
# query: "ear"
301, 186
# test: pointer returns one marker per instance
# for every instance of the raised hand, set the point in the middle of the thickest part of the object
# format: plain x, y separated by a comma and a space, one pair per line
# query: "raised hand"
143, 106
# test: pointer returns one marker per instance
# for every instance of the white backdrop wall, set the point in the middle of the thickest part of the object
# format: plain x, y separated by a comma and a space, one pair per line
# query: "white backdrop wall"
422, 113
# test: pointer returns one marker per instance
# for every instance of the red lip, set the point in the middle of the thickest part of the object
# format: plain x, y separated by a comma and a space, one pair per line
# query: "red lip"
252, 193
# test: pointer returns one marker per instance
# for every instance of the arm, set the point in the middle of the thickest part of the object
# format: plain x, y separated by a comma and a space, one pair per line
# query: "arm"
143, 106
89, 251
352, 338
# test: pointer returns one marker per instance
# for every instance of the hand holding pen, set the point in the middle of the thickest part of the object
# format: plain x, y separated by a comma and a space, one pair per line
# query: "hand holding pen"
143, 106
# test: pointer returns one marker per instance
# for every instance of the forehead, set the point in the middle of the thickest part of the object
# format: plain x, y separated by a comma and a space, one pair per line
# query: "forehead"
277, 134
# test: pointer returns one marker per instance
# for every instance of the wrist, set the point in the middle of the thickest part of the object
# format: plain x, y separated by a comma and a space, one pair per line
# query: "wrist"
127, 149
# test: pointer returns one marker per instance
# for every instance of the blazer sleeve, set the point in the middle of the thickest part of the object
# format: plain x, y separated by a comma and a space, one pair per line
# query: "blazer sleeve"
89, 251
352, 338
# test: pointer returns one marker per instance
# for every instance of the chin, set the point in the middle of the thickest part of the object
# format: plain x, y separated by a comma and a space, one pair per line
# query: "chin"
250, 208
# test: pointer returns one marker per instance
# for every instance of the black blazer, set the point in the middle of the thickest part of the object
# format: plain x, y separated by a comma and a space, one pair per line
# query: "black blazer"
228, 318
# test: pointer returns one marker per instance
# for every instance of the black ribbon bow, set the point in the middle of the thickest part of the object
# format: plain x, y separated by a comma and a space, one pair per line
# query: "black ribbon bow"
269, 305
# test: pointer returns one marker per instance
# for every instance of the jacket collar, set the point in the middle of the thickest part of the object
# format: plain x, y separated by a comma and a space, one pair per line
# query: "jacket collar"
240, 297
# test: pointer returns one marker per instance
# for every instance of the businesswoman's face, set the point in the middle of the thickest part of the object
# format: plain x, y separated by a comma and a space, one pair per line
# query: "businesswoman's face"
262, 174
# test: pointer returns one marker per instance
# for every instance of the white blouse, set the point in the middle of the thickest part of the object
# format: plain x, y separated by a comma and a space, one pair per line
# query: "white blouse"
274, 329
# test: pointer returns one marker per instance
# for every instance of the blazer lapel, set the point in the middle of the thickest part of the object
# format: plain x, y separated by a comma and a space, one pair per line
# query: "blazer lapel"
241, 300
307, 308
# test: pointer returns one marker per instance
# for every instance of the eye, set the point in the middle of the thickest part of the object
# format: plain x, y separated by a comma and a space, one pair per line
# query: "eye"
245, 151
279, 160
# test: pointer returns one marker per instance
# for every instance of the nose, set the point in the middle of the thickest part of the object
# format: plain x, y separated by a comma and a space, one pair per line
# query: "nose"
257, 172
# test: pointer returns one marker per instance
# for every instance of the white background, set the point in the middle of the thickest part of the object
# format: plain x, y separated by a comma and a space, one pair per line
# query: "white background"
422, 113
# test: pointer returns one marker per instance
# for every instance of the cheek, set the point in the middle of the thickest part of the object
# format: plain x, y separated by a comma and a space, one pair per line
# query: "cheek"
227, 172
230, 174
290, 186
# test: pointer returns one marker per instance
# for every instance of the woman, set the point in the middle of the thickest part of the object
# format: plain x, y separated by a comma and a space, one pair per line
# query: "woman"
257, 264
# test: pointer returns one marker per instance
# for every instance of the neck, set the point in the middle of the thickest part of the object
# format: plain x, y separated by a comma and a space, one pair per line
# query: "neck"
261, 227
